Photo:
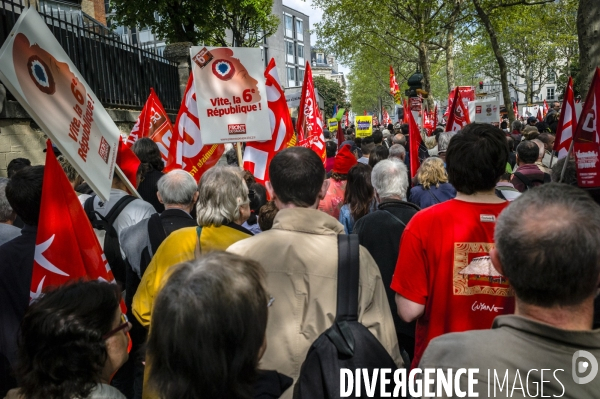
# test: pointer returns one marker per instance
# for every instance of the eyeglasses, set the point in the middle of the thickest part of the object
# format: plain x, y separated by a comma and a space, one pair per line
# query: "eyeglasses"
271, 300
122, 326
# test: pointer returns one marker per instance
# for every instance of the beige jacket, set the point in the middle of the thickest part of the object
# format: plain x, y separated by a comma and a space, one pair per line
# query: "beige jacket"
300, 257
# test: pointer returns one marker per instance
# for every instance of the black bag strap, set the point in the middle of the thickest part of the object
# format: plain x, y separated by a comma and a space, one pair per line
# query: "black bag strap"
433, 195
115, 211
499, 194
88, 207
523, 179
348, 273
396, 218
156, 233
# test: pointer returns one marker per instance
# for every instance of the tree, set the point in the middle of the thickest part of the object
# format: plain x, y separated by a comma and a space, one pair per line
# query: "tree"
588, 28
201, 21
332, 93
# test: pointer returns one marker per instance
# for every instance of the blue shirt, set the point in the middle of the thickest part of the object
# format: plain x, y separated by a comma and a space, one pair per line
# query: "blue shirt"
434, 195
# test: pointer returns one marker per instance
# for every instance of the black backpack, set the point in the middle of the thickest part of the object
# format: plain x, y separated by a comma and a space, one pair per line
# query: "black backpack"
346, 344
530, 183
103, 226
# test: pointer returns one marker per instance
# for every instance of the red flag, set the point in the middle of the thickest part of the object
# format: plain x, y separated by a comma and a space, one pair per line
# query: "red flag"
66, 247
586, 138
515, 109
346, 123
128, 162
459, 115
309, 124
153, 122
567, 122
406, 109
428, 123
394, 88
545, 108
258, 154
340, 134
435, 117
415, 141
386, 117
539, 115
186, 150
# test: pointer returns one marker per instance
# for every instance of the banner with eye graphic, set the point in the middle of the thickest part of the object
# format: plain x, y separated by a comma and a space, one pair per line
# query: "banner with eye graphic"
41, 76
231, 94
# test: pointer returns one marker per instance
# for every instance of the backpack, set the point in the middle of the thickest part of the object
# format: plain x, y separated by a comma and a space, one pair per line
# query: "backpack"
530, 183
347, 343
107, 235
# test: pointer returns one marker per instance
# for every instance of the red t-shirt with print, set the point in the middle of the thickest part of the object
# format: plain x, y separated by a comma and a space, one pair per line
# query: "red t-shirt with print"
442, 265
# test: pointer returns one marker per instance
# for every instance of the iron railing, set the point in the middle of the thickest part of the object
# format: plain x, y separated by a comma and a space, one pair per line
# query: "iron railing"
120, 74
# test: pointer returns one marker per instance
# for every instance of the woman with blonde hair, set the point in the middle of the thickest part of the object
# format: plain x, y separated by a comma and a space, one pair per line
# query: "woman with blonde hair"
433, 187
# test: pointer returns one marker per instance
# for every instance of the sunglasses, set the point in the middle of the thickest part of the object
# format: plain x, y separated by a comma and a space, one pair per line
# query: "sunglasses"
122, 326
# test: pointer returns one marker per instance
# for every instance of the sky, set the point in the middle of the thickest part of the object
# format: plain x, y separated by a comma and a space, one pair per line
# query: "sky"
306, 7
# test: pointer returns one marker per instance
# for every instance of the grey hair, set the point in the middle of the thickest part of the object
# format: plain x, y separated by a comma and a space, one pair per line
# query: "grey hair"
561, 266
399, 138
397, 151
177, 188
222, 193
444, 141
390, 178
542, 147
517, 125
6, 211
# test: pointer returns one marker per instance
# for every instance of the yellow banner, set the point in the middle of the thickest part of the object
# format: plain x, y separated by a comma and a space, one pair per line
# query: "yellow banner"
364, 126
332, 124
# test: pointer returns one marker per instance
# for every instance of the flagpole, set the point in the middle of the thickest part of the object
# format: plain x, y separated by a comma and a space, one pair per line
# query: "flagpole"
562, 173
239, 154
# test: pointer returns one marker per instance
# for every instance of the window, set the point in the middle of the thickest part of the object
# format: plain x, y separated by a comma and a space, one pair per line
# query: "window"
320, 58
300, 53
550, 93
289, 25
551, 75
299, 30
300, 76
289, 52
291, 76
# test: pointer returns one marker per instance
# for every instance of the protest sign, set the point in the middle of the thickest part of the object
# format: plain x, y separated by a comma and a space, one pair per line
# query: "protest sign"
39, 73
332, 124
486, 111
231, 94
364, 126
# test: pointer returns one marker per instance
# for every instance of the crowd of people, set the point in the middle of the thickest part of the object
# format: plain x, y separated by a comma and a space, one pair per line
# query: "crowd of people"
483, 259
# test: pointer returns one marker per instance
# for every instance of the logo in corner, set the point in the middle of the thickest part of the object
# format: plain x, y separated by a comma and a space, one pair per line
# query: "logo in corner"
104, 149
203, 57
581, 367
237, 128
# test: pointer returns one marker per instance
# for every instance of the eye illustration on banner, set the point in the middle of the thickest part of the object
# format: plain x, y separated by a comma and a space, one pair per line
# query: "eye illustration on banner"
41, 75
223, 69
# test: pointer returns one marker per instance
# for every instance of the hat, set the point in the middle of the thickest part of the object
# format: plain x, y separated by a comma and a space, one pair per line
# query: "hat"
343, 161
532, 119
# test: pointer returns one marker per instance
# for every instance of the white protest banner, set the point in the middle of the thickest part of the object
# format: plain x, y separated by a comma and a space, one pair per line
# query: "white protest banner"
41, 76
485, 111
231, 94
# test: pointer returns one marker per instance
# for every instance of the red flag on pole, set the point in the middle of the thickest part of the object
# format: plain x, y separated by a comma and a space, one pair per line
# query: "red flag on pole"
128, 162
540, 118
406, 109
153, 122
258, 154
415, 141
459, 115
66, 246
567, 122
186, 150
394, 88
587, 137
545, 109
310, 124
516, 109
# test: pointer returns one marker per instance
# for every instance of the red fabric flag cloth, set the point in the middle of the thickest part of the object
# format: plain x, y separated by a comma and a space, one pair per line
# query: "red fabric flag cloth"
587, 138
340, 134
346, 122
567, 122
540, 118
406, 109
516, 109
415, 142
153, 122
186, 150
459, 115
545, 108
435, 117
128, 162
258, 154
310, 123
394, 88
66, 245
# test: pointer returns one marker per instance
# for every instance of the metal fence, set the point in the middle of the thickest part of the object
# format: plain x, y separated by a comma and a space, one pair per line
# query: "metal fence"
119, 74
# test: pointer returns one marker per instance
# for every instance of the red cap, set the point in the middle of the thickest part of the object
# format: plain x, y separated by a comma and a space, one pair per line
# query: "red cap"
344, 160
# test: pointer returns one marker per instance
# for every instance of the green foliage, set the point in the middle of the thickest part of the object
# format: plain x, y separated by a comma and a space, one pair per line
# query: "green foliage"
201, 21
332, 93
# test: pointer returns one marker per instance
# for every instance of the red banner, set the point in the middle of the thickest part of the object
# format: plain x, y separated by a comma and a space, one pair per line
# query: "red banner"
459, 114
394, 88
567, 122
586, 137
310, 125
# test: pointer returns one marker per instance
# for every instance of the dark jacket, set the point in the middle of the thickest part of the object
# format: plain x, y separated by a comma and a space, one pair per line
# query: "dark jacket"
424, 198
271, 384
16, 267
149, 187
380, 233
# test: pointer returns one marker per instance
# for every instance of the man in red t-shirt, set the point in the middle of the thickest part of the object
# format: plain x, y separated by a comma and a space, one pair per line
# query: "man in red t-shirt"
444, 277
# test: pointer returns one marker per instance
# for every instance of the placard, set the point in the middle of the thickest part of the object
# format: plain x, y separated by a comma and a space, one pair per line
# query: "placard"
332, 124
364, 126
485, 111
41, 76
231, 94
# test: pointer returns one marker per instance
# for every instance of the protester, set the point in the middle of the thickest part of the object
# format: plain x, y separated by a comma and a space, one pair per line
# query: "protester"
152, 164
222, 208
7, 216
366, 148
548, 140
331, 149
443, 142
16, 165
380, 153
555, 278
528, 174
505, 190
300, 257
266, 215
517, 129
443, 243
397, 151
24, 195
512, 155
258, 198
377, 137
570, 176
358, 197
433, 187
541, 154
333, 200
380, 232
72, 340
387, 136
208, 333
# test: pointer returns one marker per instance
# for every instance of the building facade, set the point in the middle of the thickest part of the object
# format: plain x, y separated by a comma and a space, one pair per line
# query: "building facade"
324, 64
